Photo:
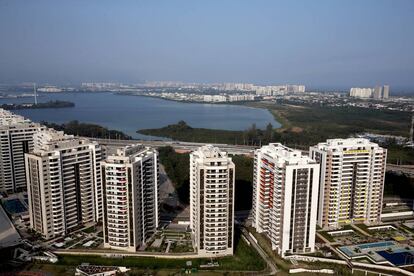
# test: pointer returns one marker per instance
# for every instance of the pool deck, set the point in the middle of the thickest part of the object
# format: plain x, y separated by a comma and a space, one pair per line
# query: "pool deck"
370, 250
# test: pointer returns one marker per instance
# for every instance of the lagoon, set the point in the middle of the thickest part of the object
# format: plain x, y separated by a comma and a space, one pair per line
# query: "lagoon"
130, 113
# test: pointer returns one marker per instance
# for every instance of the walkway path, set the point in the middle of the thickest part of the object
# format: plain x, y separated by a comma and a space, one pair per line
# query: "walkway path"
262, 253
360, 230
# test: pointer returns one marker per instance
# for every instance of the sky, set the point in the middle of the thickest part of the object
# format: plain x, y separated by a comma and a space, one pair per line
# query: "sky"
320, 43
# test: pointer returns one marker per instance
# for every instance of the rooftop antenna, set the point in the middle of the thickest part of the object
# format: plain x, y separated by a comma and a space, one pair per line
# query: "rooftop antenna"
35, 94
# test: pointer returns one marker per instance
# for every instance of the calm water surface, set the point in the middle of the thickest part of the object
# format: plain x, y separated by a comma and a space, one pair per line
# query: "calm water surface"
130, 113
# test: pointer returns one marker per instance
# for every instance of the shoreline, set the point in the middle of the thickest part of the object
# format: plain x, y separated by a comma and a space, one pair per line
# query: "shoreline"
248, 104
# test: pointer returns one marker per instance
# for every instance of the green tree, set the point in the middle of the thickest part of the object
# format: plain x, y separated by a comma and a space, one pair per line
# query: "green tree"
268, 134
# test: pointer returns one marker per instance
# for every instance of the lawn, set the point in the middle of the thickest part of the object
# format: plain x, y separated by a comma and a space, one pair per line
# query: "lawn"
363, 227
264, 243
89, 230
244, 259
326, 236
406, 229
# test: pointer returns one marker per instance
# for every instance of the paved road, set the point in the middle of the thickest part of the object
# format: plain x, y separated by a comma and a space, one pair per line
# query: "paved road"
232, 149
262, 253
407, 169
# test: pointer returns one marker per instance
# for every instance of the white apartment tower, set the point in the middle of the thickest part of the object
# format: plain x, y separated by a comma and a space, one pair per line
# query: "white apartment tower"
63, 183
361, 92
285, 198
386, 92
351, 182
212, 201
131, 197
16, 139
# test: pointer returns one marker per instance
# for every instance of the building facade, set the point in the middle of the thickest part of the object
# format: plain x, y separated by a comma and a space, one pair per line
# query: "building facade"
131, 197
63, 183
361, 92
212, 201
285, 198
351, 182
16, 139
377, 92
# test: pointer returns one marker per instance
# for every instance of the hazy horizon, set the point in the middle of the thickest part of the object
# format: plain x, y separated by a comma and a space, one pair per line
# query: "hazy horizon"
322, 44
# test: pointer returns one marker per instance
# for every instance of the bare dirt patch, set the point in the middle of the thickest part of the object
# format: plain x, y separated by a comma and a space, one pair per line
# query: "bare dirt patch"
296, 129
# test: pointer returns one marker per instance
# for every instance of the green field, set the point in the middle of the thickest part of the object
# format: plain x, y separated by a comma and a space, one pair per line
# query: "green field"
302, 125
317, 123
341, 119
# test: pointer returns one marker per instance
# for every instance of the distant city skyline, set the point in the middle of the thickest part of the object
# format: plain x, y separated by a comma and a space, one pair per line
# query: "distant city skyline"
321, 44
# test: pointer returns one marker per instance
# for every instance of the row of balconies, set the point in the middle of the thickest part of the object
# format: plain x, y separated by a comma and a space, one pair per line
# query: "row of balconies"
215, 246
114, 226
121, 241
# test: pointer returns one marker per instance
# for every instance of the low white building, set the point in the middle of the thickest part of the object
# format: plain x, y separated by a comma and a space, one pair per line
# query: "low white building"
215, 98
241, 97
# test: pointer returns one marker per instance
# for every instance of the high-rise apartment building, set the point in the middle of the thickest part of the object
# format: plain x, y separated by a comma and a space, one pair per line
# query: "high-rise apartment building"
16, 139
212, 201
361, 92
351, 182
285, 198
63, 180
377, 92
131, 197
386, 92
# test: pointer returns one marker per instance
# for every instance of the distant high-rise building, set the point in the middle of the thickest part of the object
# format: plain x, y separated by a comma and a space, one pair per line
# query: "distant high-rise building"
351, 182
377, 92
295, 88
131, 197
63, 180
361, 92
214, 98
386, 92
16, 139
285, 198
212, 201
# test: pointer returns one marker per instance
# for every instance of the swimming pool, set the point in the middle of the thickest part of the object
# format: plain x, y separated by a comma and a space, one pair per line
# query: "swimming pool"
375, 244
398, 258
14, 206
